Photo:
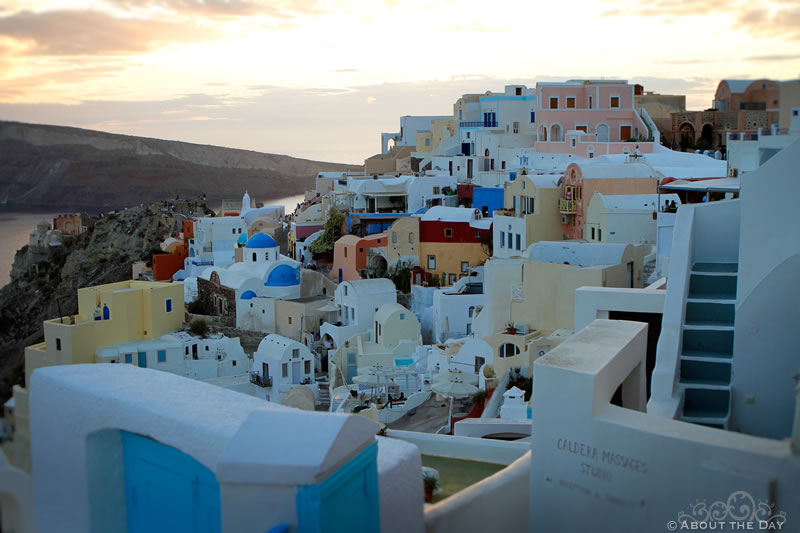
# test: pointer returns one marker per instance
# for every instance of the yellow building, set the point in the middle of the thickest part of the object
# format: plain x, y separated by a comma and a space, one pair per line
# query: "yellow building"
451, 241
530, 214
535, 295
107, 314
402, 246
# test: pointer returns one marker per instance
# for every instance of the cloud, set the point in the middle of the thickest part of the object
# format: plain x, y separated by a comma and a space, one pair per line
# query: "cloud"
782, 22
86, 32
284, 9
775, 57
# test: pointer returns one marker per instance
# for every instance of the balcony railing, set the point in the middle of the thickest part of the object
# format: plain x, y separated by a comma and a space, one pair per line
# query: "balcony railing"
567, 206
478, 124
505, 212
261, 381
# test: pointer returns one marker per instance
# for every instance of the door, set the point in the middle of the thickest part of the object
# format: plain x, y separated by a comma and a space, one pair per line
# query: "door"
469, 169
297, 372
630, 274
450, 165
167, 490
340, 275
479, 362
624, 133
142, 359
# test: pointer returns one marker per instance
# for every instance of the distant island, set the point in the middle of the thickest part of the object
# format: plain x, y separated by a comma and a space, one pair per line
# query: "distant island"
51, 167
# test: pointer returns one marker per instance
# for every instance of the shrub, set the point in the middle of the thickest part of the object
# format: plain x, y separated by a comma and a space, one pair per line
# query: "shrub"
201, 306
331, 233
199, 327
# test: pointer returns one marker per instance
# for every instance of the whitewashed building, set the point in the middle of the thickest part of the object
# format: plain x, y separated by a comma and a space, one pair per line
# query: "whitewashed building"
624, 218
281, 363
353, 309
181, 353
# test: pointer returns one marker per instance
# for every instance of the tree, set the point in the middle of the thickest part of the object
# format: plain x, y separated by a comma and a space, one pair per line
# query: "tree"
332, 231
199, 327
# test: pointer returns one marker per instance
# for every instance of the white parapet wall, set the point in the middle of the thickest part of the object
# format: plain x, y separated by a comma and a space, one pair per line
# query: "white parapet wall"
636, 471
472, 449
596, 302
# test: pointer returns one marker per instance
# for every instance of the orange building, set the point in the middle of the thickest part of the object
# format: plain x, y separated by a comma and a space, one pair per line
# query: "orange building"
350, 259
166, 265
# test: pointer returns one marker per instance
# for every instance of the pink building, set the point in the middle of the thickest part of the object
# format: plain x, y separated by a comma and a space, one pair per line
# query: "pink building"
350, 256
590, 118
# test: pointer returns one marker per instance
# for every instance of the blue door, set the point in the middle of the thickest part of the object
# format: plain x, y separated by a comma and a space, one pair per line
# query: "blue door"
142, 359
167, 491
340, 275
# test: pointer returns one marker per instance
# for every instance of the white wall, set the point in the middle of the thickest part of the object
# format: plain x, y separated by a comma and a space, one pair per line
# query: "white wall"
454, 308
766, 340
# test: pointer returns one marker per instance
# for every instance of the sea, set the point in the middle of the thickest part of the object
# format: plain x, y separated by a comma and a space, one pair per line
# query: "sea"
16, 226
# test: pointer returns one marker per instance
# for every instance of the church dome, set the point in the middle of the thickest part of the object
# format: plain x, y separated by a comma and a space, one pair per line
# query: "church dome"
261, 240
283, 276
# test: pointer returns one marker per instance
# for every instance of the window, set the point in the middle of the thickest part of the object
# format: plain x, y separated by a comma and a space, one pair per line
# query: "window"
240, 230
477, 234
518, 90
469, 329
290, 320
234, 362
307, 366
186, 351
266, 256
206, 347
460, 116
590, 102
508, 350
502, 239
58, 344
285, 370
448, 232
592, 233
570, 102
614, 102
254, 257
467, 135
452, 278
510, 242
295, 353
362, 250
431, 262
573, 142
168, 305
582, 127
345, 254
599, 235
533, 117
516, 127
464, 266
129, 358
411, 238
345, 290
380, 329
402, 316
471, 311
394, 237
233, 231
554, 102
352, 313
519, 240
427, 141
162, 356
436, 190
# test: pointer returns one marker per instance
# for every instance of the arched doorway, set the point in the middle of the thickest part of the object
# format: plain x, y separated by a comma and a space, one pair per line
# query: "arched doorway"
686, 134
555, 133
707, 136
602, 133
543, 133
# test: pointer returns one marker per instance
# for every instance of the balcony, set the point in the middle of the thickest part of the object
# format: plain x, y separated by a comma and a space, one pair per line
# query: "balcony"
258, 379
567, 206
505, 212
478, 124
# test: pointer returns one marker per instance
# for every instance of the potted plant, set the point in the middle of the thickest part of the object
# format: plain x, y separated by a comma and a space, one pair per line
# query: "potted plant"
431, 484
510, 329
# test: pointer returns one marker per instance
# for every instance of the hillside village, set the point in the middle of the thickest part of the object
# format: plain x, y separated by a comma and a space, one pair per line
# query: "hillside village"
573, 291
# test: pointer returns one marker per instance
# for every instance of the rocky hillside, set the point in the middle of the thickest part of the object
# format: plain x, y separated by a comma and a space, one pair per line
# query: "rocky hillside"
54, 166
44, 281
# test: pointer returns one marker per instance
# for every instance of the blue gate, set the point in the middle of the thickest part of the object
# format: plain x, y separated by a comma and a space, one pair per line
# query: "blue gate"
167, 491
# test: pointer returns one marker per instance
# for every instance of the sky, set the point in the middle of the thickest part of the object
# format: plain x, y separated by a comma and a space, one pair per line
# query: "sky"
321, 79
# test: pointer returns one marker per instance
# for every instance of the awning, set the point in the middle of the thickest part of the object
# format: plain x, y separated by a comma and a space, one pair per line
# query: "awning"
714, 185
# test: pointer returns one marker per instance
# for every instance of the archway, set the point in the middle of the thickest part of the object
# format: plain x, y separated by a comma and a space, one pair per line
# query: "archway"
507, 350
707, 136
686, 133
378, 266
543, 133
555, 133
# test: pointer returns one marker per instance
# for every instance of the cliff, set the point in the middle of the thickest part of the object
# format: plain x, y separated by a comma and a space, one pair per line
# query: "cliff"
55, 166
44, 281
